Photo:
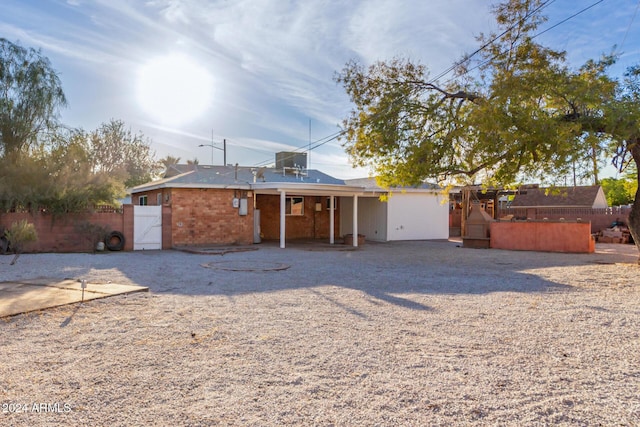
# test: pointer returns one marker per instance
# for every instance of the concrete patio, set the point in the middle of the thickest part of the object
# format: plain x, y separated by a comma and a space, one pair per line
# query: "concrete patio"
17, 297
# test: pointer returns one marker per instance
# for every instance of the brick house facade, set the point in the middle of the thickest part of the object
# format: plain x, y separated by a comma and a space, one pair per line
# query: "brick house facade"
313, 224
212, 205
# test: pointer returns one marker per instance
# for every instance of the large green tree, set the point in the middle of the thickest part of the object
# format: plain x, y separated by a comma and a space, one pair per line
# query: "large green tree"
30, 95
513, 111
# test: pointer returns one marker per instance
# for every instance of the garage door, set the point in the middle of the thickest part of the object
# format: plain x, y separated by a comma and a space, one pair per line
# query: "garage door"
147, 227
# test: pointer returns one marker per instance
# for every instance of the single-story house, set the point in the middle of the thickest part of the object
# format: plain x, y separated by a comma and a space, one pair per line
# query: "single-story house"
205, 205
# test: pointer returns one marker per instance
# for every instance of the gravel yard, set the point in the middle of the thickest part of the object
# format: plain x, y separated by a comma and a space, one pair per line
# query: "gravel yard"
404, 333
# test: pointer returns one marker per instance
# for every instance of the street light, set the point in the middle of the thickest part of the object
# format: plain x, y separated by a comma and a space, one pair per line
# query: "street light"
217, 148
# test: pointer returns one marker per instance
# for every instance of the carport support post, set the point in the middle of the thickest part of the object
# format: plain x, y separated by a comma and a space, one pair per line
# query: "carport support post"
283, 217
331, 219
355, 220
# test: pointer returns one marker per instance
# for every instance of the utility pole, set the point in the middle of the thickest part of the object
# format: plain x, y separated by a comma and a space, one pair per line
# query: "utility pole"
224, 141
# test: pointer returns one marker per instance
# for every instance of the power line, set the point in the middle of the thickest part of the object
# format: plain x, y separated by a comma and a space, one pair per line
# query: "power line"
566, 19
624, 39
489, 43
316, 144
535, 35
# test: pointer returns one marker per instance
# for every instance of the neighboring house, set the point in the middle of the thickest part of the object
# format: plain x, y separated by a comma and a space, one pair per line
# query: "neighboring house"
242, 205
409, 213
591, 197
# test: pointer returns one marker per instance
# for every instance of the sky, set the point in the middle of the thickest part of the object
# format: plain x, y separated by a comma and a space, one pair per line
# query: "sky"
260, 73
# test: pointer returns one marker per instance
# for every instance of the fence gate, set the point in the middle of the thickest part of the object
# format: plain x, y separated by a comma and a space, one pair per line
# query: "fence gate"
147, 227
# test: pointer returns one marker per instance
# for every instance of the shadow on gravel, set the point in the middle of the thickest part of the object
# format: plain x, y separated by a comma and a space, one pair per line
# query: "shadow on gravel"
393, 273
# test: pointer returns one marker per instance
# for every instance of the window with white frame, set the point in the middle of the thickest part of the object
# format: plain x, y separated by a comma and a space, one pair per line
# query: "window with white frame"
142, 200
294, 206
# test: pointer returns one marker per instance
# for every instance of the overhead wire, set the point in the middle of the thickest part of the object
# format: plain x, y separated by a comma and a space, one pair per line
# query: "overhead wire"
322, 141
490, 42
308, 147
481, 64
624, 39
332, 137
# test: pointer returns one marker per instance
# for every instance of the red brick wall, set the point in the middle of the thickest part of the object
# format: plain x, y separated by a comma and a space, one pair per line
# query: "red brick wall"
167, 237
312, 225
59, 234
127, 227
207, 216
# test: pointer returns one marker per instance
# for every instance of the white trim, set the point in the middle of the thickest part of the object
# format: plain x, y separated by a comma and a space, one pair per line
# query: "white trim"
355, 220
332, 220
283, 218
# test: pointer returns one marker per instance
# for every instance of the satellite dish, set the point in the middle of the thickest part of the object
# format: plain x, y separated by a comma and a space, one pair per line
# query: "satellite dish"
260, 174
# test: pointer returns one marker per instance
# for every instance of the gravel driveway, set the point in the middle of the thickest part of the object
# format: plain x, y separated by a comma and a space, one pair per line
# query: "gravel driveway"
403, 333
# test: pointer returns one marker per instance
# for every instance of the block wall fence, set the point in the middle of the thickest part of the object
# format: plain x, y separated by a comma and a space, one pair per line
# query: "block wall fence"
59, 233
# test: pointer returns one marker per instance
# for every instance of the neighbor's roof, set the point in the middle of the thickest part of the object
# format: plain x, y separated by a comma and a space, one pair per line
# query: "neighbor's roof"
585, 196
198, 176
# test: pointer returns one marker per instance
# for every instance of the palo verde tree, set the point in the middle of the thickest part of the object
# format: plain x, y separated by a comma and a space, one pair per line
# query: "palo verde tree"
513, 111
30, 95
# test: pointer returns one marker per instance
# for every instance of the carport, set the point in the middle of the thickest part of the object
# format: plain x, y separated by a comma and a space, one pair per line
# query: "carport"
311, 189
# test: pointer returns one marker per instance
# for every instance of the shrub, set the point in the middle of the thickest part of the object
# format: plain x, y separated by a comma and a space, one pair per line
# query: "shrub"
93, 233
19, 234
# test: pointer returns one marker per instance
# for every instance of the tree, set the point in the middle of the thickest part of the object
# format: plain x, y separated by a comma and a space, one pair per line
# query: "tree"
30, 95
513, 111
20, 234
169, 161
617, 191
56, 177
128, 157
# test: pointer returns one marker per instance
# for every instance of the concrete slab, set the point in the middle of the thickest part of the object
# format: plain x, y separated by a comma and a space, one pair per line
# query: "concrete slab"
37, 294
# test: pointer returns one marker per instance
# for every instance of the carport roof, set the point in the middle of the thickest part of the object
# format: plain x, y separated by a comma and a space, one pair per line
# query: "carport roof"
370, 184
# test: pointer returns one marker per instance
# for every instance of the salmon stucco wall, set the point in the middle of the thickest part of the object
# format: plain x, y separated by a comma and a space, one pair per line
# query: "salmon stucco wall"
314, 224
208, 216
544, 236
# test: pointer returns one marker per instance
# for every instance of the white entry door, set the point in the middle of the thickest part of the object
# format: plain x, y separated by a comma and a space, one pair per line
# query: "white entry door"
147, 227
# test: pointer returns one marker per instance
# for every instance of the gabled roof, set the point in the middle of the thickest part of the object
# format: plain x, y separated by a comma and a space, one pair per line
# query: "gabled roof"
574, 197
240, 177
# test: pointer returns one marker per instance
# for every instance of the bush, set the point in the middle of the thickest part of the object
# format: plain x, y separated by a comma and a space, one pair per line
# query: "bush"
93, 233
19, 234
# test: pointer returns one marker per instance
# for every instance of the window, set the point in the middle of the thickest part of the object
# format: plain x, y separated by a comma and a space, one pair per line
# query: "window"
159, 199
294, 206
142, 200
335, 203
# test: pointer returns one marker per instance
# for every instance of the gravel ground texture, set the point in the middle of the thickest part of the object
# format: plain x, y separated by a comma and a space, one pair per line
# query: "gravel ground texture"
404, 333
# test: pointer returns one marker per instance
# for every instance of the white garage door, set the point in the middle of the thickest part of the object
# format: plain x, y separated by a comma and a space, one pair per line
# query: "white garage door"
147, 227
